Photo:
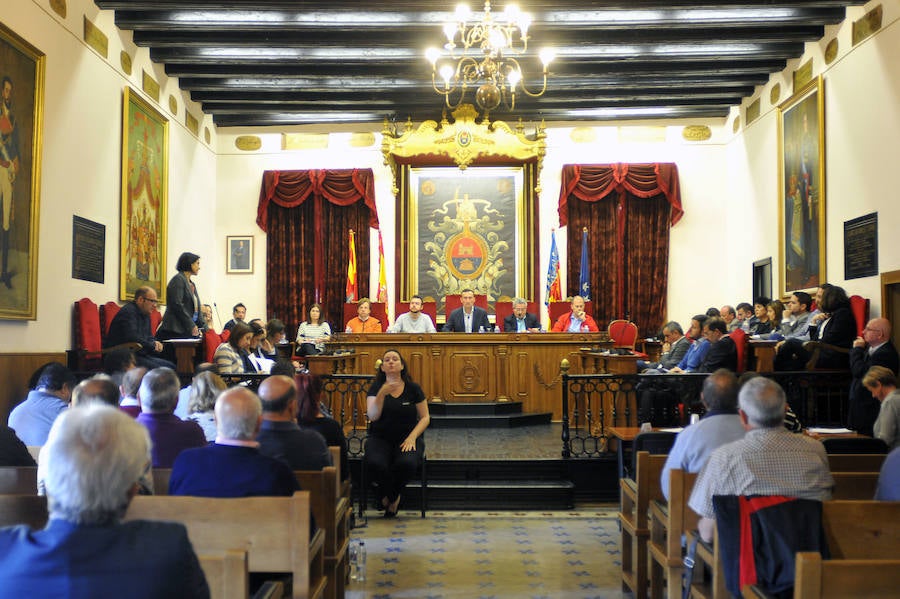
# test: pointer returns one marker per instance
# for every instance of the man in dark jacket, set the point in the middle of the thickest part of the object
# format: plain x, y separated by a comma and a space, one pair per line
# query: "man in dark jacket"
132, 325
874, 348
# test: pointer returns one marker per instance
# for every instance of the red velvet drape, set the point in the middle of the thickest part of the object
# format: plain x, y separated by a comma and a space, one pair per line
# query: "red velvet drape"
306, 246
627, 210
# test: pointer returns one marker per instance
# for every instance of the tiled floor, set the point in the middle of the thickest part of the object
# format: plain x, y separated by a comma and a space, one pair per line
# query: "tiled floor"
521, 555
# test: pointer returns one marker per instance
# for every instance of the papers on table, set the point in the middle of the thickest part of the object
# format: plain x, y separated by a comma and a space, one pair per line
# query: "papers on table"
822, 430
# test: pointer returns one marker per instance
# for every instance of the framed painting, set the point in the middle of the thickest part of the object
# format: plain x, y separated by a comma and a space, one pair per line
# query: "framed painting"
801, 144
239, 249
469, 229
21, 131
145, 168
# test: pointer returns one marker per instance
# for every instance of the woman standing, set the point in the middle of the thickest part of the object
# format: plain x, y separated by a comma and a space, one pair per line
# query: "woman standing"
398, 413
183, 317
313, 333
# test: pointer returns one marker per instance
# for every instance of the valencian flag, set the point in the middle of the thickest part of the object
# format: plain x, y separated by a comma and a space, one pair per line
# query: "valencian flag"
554, 292
382, 277
351, 271
584, 282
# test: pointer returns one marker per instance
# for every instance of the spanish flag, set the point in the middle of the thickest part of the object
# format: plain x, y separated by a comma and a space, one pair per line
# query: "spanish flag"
351, 271
382, 276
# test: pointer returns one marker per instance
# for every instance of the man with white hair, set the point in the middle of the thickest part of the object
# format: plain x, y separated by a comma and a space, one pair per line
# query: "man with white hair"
171, 435
95, 455
769, 460
233, 465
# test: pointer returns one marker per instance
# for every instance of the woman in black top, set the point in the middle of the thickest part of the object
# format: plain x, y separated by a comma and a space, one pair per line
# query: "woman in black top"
183, 317
310, 416
398, 413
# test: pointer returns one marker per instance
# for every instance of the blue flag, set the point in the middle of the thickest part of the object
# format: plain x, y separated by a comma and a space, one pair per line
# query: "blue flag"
584, 281
554, 291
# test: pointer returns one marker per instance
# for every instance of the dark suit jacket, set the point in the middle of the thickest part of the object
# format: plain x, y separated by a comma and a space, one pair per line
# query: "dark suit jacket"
230, 471
12, 451
510, 325
863, 407
721, 354
130, 325
135, 559
676, 352
178, 321
301, 449
457, 323
840, 331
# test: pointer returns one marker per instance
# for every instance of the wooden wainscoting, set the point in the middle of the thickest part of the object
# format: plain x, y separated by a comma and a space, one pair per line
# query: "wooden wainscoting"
15, 370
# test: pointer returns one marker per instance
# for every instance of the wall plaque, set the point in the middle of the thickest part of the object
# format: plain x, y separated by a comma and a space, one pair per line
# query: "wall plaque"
88, 249
95, 38
861, 247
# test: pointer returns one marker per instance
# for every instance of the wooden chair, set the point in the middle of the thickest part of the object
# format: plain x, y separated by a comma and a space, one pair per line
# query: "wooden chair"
636, 496
23, 509
855, 462
226, 574
275, 531
623, 333
332, 513
668, 521
18, 480
854, 485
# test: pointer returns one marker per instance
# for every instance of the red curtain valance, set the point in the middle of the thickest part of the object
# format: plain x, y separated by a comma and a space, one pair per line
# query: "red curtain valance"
593, 182
339, 186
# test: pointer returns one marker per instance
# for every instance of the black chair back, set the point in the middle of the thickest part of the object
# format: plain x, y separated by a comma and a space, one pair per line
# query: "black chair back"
655, 442
855, 445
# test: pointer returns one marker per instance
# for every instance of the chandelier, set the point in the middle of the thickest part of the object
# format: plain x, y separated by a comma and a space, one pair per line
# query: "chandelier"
486, 59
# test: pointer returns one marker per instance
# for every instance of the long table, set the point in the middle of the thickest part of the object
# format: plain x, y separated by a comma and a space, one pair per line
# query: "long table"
460, 367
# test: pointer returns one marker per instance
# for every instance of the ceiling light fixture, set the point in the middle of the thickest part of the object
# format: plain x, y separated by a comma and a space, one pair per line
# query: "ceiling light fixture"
487, 58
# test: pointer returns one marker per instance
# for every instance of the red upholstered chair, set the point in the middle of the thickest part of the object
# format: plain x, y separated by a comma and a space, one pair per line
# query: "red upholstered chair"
557, 309
501, 311
623, 333
429, 308
741, 344
379, 311
859, 306
108, 311
155, 319
211, 341
87, 353
452, 302
225, 335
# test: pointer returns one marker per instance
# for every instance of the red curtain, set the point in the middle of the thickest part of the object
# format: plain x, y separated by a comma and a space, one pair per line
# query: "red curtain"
627, 210
306, 246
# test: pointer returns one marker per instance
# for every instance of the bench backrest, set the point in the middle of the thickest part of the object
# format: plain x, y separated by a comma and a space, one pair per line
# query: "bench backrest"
161, 478
681, 517
836, 579
227, 574
23, 509
18, 480
323, 494
862, 529
855, 462
854, 485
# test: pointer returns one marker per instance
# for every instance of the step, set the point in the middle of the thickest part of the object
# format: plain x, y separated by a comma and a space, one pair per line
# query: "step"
491, 421
442, 408
493, 495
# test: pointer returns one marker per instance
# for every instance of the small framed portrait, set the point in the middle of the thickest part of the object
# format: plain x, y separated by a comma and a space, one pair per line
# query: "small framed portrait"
239, 249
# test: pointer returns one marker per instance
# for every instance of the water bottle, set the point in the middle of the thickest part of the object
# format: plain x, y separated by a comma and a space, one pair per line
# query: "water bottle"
481, 329
354, 560
361, 562
585, 329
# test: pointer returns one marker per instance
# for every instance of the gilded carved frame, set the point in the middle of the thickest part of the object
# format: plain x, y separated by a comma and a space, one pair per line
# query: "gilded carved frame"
466, 186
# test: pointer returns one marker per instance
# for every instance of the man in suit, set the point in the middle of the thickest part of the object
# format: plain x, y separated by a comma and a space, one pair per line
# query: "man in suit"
874, 348
576, 320
86, 551
279, 436
238, 313
468, 318
521, 321
171, 435
674, 349
233, 466
132, 325
722, 350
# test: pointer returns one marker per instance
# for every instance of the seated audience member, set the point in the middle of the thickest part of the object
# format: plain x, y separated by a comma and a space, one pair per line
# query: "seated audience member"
12, 451
760, 323
713, 312
874, 348
791, 420
468, 318
674, 348
575, 320
275, 336
86, 551
205, 389
521, 321
100, 388
279, 436
722, 351
728, 315
697, 351
117, 362
131, 324
233, 465
50, 397
414, 321
312, 417
744, 315
774, 312
882, 384
230, 356
719, 425
131, 383
836, 328
182, 410
238, 313
794, 326
769, 460
207, 312
313, 333
364, 322
255, 360
889, 479
170, 434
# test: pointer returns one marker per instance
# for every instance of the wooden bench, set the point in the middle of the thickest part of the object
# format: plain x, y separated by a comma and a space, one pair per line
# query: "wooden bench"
855, 462
275, 531
668, 521
636, 496
854, 485
23, 509
161, 478
335, 452
709, 576
226, 574
18, 480
332, 513
839, 578
862, 529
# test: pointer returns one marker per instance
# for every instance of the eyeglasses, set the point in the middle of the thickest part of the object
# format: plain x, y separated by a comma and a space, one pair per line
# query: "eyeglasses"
152, 301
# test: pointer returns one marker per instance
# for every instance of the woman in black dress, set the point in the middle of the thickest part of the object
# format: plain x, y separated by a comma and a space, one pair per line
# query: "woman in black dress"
398, 413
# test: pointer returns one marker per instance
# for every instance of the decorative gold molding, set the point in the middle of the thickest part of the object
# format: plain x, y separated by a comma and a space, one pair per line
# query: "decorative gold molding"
736, 126
803, 75
831, 51
126, 62
248, 143
59, 7
753, 111
173, 104
362, 140
150, 86
95, 38
304, 141
191, 122
583, 135
696, 133
463, 141
867, 25
775, 94
207, 136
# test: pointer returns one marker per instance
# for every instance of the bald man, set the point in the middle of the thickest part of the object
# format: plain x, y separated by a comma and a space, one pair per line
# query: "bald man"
874, 348
280, 437
233, 465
